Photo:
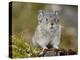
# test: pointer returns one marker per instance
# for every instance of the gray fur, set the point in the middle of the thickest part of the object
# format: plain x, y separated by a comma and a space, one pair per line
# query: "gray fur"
48, 30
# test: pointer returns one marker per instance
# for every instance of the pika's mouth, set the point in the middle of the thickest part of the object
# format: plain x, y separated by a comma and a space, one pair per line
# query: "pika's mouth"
51, 30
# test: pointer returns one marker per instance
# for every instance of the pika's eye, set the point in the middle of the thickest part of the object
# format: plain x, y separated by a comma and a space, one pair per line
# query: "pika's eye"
40, 21
50, 16
56, 20
46, 19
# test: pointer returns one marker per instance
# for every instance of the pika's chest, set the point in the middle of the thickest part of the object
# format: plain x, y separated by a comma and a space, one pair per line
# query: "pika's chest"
48, 35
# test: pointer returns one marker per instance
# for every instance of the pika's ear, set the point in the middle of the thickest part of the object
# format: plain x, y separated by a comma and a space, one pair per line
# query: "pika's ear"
57, 16
40, 15
41, 12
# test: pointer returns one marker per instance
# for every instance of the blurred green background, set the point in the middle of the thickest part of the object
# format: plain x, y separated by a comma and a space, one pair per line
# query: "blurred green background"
24, 22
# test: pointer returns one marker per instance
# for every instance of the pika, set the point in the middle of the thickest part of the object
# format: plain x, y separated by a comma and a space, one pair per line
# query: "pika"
48, 30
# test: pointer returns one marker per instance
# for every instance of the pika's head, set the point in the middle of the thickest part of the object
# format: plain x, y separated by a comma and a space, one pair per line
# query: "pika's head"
48, 19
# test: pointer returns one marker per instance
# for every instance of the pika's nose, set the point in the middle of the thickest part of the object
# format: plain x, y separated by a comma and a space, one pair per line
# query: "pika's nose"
51, 23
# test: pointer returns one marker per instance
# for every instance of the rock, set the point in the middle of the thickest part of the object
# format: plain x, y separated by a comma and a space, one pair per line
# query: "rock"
60, 52
50, 53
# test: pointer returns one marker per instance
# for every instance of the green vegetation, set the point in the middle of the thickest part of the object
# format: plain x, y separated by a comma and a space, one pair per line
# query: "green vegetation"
23, 49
